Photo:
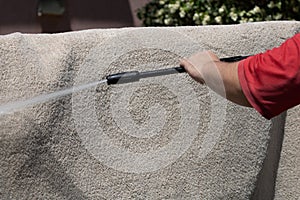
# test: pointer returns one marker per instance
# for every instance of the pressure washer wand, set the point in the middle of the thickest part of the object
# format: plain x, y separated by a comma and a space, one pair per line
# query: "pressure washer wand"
133, 76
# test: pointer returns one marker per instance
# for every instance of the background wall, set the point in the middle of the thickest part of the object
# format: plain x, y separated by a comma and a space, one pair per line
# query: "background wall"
22, 16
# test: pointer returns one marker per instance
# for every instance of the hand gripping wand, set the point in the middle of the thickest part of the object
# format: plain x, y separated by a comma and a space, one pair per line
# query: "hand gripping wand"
133, 76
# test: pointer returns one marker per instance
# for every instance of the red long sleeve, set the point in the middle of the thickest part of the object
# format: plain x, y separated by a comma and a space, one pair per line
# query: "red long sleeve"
271, 80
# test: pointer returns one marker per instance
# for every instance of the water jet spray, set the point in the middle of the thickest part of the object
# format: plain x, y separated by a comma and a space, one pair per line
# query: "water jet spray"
118, 78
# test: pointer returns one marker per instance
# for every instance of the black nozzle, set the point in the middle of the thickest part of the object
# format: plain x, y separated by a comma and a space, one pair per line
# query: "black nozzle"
123, 77
133, 76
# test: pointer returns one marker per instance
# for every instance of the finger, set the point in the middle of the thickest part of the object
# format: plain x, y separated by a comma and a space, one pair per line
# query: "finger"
184, 63
187, 66
192, 70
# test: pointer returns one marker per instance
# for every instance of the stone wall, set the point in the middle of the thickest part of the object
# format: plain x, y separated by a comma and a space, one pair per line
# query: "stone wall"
288, 184
159, 138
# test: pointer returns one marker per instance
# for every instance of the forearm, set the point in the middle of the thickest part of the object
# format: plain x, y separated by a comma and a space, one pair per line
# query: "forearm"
223, 79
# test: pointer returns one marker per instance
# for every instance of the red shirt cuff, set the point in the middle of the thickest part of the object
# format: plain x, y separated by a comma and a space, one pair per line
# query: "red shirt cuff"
247, 91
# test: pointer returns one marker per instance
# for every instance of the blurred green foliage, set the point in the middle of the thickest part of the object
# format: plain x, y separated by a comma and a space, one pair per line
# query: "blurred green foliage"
203, 12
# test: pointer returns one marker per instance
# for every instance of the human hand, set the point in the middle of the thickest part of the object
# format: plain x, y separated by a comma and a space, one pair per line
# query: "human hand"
197, 64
